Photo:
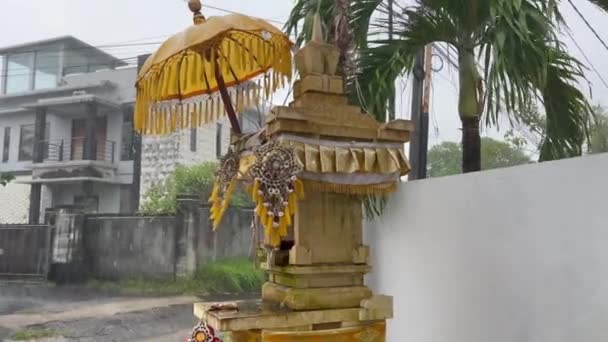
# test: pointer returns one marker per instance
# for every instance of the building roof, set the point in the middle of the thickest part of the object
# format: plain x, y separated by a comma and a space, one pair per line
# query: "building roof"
71, 42
60, 89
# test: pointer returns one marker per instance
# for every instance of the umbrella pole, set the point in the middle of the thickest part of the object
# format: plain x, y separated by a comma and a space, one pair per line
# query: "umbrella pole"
234, 122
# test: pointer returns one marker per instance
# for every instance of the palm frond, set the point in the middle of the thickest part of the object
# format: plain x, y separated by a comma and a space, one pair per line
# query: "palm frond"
467, 15
525, 63
374, 206
361, 14
514, 53
303, 13
569, 114
603, 4
384, 60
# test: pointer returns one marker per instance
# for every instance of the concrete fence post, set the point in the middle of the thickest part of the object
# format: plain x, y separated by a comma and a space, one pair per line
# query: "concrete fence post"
188, 219
49, 220
207, 252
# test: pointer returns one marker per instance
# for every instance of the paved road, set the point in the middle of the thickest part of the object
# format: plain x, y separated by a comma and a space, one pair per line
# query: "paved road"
82, 315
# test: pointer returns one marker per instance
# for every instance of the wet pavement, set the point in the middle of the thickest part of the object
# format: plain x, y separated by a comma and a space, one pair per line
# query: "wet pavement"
80, 314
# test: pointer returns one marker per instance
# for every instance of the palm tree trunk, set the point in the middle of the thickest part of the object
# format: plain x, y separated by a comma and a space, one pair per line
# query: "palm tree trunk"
471, 144
469, 107
341, 35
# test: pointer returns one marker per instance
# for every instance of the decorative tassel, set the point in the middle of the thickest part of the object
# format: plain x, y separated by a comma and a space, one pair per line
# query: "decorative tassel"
283, 227
179, 77
254, 192
214, 194
288, 214
299, 189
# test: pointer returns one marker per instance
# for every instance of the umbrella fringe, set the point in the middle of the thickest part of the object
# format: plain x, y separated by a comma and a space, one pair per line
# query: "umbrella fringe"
164, 104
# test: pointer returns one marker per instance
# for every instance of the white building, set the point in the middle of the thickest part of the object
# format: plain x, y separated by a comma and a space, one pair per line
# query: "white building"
65, 128
66, 132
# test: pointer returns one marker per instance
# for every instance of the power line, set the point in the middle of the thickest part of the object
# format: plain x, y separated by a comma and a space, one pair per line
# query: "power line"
128, 43
587, 59
445, 55
234, 12
134, 42
588, 24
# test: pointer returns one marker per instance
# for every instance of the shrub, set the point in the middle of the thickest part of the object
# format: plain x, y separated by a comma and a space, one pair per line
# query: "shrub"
161, 199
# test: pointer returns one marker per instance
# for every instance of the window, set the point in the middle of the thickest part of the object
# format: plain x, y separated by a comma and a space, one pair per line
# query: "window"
7, 144
126, 150
218, 141
193, 139
26, 142
31, 70
46, 69
18, 72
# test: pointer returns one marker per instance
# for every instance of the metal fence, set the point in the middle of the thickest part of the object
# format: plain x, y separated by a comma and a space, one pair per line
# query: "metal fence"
25, 250
73, 149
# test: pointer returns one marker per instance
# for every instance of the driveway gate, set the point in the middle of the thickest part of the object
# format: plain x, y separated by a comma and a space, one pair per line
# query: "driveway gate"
24, 250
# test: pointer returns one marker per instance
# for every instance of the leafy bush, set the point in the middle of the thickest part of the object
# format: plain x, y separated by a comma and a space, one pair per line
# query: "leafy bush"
161, 199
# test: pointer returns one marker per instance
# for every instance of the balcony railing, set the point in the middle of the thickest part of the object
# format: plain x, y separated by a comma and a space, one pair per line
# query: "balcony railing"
74, 149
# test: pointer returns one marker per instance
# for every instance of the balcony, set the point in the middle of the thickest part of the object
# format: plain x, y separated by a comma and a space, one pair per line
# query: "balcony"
65, 161
73, 150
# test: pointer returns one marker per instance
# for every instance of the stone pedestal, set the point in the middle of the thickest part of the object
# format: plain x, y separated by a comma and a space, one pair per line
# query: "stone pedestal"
269, 321
327, 262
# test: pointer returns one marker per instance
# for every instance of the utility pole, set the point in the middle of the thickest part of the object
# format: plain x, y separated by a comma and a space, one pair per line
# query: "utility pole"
420, 113
391, 100
137, 152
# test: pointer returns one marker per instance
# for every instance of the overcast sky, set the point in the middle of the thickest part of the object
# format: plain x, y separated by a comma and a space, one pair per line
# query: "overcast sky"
106, 22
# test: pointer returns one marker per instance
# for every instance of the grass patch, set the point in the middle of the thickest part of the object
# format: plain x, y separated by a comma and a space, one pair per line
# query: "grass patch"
230, 276
226, 276
34, 333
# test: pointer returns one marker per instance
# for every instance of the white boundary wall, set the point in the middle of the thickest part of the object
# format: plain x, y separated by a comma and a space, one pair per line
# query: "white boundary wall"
511, 255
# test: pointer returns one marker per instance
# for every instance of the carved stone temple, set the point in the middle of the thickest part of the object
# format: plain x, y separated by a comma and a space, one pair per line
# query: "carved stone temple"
315, 289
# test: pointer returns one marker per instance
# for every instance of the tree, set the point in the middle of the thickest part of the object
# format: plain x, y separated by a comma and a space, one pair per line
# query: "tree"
598, 140
509, 54
198, 179
444, 159
531, 131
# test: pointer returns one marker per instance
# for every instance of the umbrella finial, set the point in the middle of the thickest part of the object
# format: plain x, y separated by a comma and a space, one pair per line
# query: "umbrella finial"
195, 6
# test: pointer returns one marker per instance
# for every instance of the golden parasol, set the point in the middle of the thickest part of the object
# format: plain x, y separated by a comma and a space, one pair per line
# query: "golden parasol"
177, 86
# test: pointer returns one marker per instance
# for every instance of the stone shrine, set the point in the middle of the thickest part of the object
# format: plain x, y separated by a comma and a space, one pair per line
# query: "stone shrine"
315, 289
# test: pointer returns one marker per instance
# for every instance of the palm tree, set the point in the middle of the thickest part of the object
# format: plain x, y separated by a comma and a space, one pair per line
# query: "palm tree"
509, 55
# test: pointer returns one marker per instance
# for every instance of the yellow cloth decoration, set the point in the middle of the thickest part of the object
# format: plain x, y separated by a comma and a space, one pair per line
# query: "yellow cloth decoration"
352, 189
274, 230
176, 87
328, 159
219, 204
